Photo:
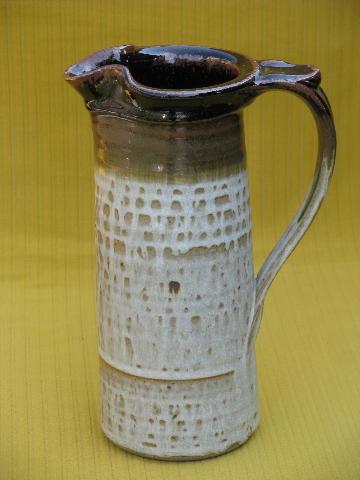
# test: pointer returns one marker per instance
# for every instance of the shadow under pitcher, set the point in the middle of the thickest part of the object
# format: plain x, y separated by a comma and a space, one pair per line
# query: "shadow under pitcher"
179, 306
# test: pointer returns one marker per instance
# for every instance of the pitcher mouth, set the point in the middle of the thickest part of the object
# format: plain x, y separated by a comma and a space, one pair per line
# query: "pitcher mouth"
182, 67
169, 78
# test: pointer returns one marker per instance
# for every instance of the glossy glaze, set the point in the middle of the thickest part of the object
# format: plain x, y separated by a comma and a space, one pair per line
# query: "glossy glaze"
179, 306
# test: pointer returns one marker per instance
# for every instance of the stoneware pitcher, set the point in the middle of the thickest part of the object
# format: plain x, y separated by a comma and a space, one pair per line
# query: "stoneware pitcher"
179, 306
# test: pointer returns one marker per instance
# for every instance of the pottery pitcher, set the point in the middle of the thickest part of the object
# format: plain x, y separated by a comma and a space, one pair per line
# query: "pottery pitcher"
179, 306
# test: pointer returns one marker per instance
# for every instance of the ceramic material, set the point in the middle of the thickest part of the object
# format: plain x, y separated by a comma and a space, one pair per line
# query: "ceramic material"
179, 306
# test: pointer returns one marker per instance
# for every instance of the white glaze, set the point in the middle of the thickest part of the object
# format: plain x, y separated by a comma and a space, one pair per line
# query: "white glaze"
175, 295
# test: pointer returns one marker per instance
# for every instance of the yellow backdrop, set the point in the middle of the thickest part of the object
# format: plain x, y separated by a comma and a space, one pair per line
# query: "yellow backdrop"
309, 345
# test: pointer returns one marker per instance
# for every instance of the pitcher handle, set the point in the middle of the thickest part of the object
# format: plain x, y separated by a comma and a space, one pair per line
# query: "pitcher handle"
304, 81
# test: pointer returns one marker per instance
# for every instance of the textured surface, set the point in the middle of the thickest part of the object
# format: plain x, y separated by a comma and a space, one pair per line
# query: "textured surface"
175, 294
173, 280
182, 419
309, 344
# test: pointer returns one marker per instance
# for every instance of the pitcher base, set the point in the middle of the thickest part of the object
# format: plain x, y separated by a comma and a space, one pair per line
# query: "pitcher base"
179, 458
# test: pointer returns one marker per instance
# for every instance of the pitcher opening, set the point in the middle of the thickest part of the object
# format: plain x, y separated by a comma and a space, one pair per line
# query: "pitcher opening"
182, 67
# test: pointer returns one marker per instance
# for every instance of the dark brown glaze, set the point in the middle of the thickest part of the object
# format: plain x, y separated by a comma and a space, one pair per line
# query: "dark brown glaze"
170, 83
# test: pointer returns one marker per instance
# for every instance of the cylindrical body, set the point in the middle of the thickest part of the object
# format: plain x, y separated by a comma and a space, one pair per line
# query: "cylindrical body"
175, 285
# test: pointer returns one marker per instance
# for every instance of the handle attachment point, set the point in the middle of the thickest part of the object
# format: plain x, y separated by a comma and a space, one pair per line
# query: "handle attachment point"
272, 71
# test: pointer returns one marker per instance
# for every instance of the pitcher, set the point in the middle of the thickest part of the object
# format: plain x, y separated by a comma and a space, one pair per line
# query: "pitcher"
179, 307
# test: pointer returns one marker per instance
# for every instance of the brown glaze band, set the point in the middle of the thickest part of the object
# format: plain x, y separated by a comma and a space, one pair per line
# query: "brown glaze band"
155, 151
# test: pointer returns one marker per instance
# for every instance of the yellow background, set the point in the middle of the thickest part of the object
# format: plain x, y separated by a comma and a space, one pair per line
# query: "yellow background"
309, 344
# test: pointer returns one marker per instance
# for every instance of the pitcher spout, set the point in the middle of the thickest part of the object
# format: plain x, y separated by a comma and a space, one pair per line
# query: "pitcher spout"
94, 76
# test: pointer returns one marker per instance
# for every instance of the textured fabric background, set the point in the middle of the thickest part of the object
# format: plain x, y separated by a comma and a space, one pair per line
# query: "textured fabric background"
309, 344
